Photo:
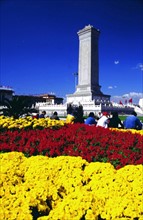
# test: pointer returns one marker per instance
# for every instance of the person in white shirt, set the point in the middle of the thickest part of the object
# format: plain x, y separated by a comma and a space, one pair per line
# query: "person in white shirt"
104, 120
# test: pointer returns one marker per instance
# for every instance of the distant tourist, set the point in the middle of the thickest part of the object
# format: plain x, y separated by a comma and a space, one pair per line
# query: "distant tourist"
70, 117
132, 122
55, 116
74, 113
91, 119
78, 114
35, 115
99, 115
43, 114
115, 121
104, 120
70, 109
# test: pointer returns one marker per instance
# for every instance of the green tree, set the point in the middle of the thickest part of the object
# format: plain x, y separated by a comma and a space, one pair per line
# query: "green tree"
17, 106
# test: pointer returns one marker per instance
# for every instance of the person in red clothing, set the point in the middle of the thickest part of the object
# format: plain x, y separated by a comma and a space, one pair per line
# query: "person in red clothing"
35, 115
104, 120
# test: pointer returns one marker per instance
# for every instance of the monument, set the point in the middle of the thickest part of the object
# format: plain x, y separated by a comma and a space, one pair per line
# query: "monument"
88, 92
88, 88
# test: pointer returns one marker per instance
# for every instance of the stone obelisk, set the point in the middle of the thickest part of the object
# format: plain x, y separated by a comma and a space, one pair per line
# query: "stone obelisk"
88, 68
88, 88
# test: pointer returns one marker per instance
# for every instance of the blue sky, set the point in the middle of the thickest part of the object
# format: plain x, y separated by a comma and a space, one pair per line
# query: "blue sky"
40, 45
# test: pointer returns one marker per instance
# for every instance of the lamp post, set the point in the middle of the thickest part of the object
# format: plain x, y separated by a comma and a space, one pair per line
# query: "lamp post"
76, 76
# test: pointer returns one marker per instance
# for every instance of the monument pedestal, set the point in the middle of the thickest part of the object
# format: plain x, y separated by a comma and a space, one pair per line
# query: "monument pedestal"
87, 97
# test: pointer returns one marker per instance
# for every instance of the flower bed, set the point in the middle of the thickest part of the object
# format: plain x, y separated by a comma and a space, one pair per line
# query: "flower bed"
91, 143
66, 187
29, 123
87, 172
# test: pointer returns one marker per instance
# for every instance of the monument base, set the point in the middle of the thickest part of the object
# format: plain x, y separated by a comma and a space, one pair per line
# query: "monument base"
87, 108
87, 97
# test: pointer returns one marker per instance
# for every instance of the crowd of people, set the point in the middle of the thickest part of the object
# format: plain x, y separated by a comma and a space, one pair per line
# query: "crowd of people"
75, 114
43, 115
103, 119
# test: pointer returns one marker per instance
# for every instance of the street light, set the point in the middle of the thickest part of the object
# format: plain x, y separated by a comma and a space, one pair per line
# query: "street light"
76, 77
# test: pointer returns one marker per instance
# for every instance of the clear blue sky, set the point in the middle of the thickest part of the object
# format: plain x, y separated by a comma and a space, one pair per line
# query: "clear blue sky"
40, 45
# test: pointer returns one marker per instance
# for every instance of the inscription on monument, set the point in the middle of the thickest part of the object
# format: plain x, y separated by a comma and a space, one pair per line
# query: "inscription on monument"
84, 62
